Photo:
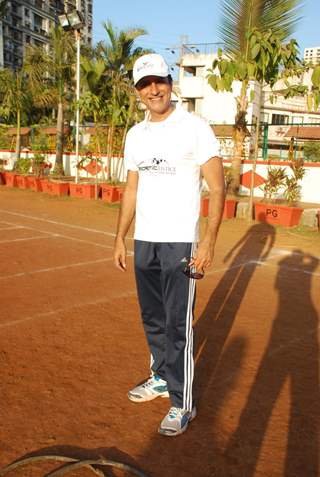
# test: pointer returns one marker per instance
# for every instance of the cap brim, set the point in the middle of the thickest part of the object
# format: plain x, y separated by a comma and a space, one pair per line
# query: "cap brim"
153, 74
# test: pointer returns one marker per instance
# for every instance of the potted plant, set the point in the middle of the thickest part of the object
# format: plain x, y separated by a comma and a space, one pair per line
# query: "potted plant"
2, 172
86, 188
22, 168
111, 191
39, 167
281, 195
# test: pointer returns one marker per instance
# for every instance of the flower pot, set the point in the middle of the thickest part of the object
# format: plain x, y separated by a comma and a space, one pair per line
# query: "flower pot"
55, 188
10, 179
277, 214
110, 193
228, 211
86, 191
35, 183
22, 182
120, 192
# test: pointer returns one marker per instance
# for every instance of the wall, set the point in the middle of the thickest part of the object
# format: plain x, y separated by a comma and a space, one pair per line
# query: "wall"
310, 183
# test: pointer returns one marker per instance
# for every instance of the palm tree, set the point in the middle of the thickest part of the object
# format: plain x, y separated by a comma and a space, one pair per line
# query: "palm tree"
16, 99
119, 55
50, 74
240, 18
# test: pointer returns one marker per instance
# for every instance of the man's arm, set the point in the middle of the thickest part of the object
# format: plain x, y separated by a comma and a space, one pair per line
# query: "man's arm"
213, 174
127, 212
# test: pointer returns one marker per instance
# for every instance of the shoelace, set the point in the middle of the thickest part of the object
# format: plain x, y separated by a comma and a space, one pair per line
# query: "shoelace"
174, 412
149, 383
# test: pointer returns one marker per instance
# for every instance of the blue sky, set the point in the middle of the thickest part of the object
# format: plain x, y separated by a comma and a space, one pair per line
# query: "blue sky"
167, 20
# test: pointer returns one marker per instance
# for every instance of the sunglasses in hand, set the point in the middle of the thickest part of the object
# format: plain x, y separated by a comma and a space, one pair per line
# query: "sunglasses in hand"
190, 270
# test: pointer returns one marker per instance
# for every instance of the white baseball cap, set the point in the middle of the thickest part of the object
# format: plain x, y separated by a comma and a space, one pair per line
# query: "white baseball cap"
150, 65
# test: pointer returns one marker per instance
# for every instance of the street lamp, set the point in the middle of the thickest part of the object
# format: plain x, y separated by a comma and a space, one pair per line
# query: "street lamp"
74, 21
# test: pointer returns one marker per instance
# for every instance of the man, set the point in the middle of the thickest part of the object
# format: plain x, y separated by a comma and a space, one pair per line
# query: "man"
165, 156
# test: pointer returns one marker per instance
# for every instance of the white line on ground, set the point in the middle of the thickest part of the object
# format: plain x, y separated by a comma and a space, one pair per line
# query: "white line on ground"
292, 269
53, 269
57, 235
24, 239
56, 222
11, 228
48, 314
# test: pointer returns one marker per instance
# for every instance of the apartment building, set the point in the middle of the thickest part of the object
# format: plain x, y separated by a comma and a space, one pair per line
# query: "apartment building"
197, 96
312, 55
28, 22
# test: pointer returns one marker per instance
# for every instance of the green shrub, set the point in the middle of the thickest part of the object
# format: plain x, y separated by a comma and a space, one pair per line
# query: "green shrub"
311, 151
23, 165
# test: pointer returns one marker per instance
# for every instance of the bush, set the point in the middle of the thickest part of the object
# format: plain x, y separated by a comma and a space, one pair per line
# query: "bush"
23, 165
311, 151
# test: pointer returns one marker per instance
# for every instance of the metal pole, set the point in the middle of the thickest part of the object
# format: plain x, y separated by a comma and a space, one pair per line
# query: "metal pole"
78, 43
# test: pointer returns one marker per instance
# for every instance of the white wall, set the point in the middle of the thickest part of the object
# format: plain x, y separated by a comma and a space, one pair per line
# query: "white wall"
310, 183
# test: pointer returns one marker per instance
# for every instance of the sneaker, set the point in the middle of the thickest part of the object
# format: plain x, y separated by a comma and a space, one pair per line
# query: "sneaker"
152, 388
176, 421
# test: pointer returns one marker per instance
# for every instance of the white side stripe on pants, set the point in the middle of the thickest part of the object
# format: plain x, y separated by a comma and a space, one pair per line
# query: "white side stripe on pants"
188, 352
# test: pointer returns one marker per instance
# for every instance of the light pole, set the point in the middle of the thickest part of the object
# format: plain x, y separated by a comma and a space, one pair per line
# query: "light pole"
74, 21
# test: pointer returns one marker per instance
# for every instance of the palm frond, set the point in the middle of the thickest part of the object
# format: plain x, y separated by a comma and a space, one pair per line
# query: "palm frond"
240, 16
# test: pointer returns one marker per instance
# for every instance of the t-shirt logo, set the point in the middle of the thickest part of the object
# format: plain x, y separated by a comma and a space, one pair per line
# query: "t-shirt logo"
156, 166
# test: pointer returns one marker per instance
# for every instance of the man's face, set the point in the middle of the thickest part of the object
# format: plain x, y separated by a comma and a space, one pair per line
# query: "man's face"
155, 93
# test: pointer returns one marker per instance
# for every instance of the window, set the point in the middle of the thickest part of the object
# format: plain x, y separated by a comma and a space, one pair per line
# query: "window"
279, 119
26, 12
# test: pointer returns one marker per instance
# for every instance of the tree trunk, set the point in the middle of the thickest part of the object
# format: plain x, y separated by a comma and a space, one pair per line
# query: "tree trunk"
239, 137
18, 136
123, 140
255, 158
60, 140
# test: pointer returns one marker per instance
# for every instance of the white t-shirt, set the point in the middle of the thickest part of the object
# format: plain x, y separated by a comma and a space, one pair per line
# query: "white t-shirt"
168, 155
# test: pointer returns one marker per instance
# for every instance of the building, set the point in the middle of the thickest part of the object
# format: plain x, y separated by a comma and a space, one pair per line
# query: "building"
312, 55
28, 22
197, 96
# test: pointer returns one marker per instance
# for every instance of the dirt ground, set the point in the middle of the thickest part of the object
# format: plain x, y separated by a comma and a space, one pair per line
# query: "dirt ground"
71, 345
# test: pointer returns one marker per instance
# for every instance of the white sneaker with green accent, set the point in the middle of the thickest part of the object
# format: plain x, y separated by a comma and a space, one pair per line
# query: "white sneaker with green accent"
176, 421
151, 389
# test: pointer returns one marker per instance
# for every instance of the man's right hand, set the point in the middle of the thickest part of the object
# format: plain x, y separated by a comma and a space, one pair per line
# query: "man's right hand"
120, 254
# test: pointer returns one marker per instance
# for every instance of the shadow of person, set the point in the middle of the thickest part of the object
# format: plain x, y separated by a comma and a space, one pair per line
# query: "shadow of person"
215, 323
291, 356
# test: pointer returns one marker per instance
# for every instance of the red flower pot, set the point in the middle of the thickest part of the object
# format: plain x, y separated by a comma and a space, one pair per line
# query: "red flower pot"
110, 193
55, 188
22, 182
86, 191
10, 179
228, 211
277, 214
120, 193
35, 183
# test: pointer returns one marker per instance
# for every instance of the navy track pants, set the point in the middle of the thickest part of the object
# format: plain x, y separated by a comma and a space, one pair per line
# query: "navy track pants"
166, 298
